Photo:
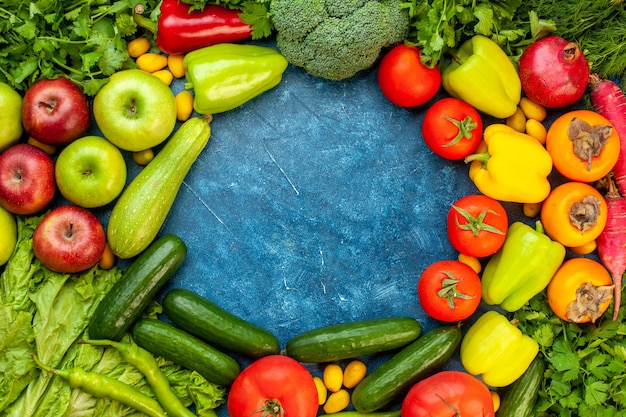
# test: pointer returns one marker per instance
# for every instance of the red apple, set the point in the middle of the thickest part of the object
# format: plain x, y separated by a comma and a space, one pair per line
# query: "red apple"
55, 111
69, 239
27, 183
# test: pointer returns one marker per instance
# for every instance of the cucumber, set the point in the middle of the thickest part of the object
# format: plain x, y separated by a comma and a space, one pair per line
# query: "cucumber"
174, 344
349, 340
520, 397
141, 209
399, 373
130, 295
209, 322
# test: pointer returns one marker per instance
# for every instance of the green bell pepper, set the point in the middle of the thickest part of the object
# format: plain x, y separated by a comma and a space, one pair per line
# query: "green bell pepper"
497, 350
226, 75
522, 268
482, 75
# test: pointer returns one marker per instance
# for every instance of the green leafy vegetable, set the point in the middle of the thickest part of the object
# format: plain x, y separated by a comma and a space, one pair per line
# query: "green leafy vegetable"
84, 40
440, 26
586, 364
46, 312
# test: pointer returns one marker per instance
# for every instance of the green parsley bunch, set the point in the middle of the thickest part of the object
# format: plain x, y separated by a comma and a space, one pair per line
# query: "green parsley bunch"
84, 40
585, 363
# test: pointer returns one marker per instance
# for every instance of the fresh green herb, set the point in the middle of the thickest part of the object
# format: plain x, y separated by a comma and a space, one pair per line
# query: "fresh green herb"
598, 27
586, 364
440, 26
84, 40
254, 12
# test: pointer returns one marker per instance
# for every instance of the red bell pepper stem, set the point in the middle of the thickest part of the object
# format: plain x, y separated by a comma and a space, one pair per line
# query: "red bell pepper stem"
180, 30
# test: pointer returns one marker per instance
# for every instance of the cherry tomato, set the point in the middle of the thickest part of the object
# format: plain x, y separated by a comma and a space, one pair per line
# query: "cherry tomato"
580, 291
477, 225
576, 159
449, 290
452, 128
574, 214
448, 393
273, 386
404, 80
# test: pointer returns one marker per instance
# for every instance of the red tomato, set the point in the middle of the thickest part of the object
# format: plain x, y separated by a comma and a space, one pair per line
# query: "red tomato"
448, 394
452, 128
273, 386
449, 290
404, 80
477, 225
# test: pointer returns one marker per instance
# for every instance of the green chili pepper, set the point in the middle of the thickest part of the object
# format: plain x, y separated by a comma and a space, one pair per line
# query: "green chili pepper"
226, 75
145, 362
102, 386
522, 267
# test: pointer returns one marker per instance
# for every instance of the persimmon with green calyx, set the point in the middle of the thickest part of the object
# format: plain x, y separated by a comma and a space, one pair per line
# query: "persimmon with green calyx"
583, 144
574, 214
580, 291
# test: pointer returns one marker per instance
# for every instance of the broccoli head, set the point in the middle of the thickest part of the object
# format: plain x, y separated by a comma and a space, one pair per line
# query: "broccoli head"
334, 39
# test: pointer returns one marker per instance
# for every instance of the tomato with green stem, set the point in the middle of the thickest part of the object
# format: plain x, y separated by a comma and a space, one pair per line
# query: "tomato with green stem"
448, 393
452, 128
477, 225
449, 290
404, 79
273, 386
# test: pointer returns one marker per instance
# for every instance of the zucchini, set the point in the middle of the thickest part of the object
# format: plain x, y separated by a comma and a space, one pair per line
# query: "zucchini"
349, 340
209, 322
399, 373
141, 209
130, 295
519, 398
174, 344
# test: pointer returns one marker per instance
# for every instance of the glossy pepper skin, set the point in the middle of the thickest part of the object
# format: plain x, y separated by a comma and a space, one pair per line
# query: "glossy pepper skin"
496, 350
510, 166
522, 268
179, 30
226, 75
482, 75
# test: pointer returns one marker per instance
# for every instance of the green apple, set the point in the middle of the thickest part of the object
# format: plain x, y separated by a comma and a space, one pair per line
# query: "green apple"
8, 234
10, 116
135, 110
90, 172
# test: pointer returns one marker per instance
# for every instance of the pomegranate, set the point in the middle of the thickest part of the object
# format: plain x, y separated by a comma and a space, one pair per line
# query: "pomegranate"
554, 72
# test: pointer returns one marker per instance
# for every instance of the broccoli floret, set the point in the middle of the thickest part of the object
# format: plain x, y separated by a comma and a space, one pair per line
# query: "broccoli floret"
335, 39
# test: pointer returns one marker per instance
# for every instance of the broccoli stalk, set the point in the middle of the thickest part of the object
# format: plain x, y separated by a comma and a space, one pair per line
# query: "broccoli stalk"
336, 39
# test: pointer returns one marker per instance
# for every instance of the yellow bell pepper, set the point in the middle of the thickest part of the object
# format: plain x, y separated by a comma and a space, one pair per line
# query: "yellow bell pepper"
483, 75
510, 166
496, 350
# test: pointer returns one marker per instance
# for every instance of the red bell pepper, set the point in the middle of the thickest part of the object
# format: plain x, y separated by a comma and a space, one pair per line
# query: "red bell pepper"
179, 30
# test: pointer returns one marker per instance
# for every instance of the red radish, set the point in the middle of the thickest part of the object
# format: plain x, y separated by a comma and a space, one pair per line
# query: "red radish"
609, 101
612, 241
553, 72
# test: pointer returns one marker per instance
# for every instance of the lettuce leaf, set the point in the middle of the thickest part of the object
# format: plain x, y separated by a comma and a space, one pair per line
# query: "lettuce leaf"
47, 313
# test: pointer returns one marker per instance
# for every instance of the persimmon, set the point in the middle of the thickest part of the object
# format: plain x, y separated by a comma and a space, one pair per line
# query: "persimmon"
580, 291
574, 213
583, 144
